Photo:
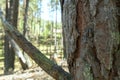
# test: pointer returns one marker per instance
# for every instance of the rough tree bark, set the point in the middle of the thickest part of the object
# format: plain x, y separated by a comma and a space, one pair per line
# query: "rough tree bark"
46, 64
91, 31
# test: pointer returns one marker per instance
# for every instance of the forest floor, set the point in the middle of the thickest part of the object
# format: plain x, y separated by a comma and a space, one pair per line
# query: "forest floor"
31, 74
34, 73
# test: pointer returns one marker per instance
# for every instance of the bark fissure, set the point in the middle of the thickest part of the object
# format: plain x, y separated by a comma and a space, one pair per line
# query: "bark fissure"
97, 29
95, 40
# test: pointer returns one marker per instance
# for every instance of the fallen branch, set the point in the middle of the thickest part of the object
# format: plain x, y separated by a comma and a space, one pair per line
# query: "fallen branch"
46, 64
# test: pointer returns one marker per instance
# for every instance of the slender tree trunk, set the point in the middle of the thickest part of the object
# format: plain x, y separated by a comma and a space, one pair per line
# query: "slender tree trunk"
40, 20
91, 31
26, 5
25, 31
55, 35
11, 16
9, 54
13, 20
15, 13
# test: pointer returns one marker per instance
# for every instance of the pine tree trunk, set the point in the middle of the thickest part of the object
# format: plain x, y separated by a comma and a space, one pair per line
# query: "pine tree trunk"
26, 5
10, 49
25, 31
91, 31
8, 54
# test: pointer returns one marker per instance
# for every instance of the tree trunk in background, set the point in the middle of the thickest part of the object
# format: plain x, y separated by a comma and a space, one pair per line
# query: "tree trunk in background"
14, 20
15, 13
26, 5
55, 32
11, 16
25, 29
91, 31
9, 54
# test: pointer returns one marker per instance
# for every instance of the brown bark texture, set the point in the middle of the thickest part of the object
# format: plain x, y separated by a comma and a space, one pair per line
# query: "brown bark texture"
46, 64
91, 31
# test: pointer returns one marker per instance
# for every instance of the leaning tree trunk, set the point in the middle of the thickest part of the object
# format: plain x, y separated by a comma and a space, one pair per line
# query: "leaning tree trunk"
91, 31
46, 64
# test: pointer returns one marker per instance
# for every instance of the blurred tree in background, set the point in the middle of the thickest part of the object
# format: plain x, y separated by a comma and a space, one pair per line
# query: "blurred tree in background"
11, 17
